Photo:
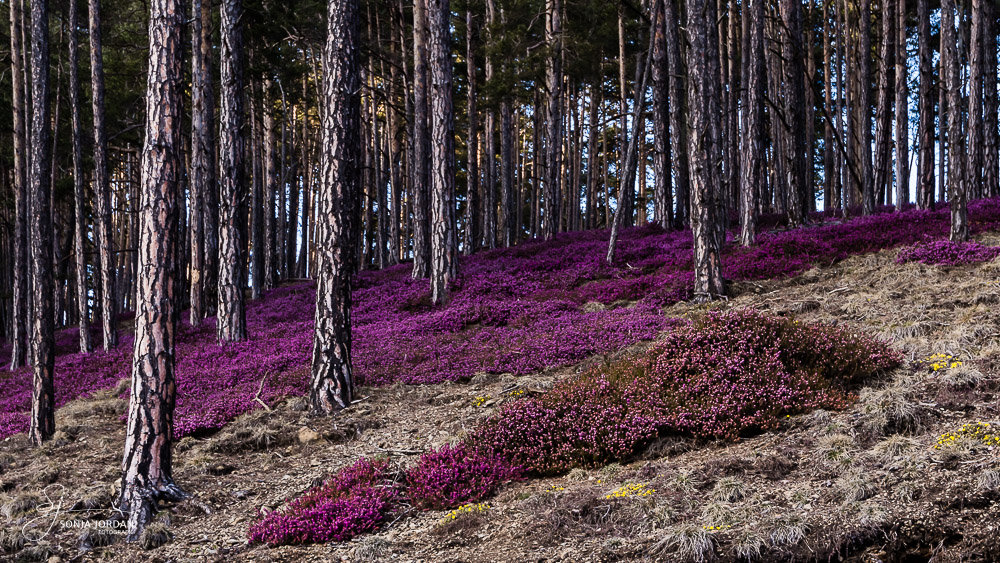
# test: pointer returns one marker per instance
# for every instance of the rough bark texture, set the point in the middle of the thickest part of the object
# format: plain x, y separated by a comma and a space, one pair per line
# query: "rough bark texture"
703, 125
883, 107
976, 118
42, 331
332, 386
20, 250
232, 324
662, 190
102, 185
991, 160
444, 242
472, 211
902, 112
508, 206
957, 187
794, 114
553, 83
925, 132
147, 476
421, 144
202, 157
678, 112
270, 185
79, 196
753, 130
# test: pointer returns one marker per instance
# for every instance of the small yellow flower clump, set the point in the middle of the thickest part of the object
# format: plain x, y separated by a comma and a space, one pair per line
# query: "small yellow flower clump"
941, 361
979, 432
480, 401
715, 528
467, 509
516, 393
628, 491
553, 488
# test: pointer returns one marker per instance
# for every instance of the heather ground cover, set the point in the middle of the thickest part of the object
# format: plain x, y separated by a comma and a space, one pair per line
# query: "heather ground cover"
538, 305
722, 376
947, 253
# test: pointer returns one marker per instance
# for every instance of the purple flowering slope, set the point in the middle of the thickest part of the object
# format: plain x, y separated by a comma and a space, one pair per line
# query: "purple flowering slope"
721, 376
538, 305
947, 253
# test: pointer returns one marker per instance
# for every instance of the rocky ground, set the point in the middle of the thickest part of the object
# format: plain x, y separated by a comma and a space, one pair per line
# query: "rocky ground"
880, 481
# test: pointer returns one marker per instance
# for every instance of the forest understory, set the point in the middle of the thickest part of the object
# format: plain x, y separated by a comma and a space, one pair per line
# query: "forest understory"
878, 481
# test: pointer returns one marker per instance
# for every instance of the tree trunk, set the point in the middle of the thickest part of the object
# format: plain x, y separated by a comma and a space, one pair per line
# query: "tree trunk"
332, 386
147, 472
902, 111
270, 185
444, 241
231, 323
678, 114
472, 210
703, 125
21, 280
991, 159
102, 186
257, 232
883, 109
421, 144
80, 226
976, 118
794, 111
958, 196
42, 333
753, 130
553, 83
925, 132
662, 192
507, 204
201, 159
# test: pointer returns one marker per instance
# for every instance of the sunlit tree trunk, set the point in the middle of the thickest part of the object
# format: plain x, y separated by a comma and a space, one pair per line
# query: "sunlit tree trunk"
21, 280
902, 111
957, 187
147, 468
753, 130
925, 130
332, 386
444, 241
102, 186
40, 180
553, 83
79, 196
231, 323
421, 144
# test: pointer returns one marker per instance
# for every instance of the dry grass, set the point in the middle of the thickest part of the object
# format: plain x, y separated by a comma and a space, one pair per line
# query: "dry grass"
254, 431
890, 409
729, 489
155, 535
686, 543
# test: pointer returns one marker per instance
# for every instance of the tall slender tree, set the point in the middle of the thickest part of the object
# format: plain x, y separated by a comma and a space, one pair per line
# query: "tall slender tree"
925, 130
147, 466
231, 323
40, 179
102, 185
703, 126
444, 240
20, 184
472, 211
332, 385
753, 128
202, 156
902, 111
79, 225
421, 144
957, 186
553, 140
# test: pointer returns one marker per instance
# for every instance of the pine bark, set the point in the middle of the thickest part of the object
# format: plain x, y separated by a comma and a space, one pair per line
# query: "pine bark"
553, 83
976, 118
20, 280
444, 242
957, 187
678, 114
925, 132
472, 205
332, 386
862, 81
794, 111
42, 424
102, 185
753, 130
421, 144
991, 159
662, 189
883, 107
147, 468
902, 111
231, 323
703, 117
201, 157
508, 206
79, 196
270, 186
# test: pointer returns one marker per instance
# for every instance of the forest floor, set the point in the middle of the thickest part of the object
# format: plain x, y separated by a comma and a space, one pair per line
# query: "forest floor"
869, 483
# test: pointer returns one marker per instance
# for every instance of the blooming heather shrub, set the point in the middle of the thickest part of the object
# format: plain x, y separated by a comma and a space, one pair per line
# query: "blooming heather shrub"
455, 475
947, 253
515, 310
354, 501
723, 376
